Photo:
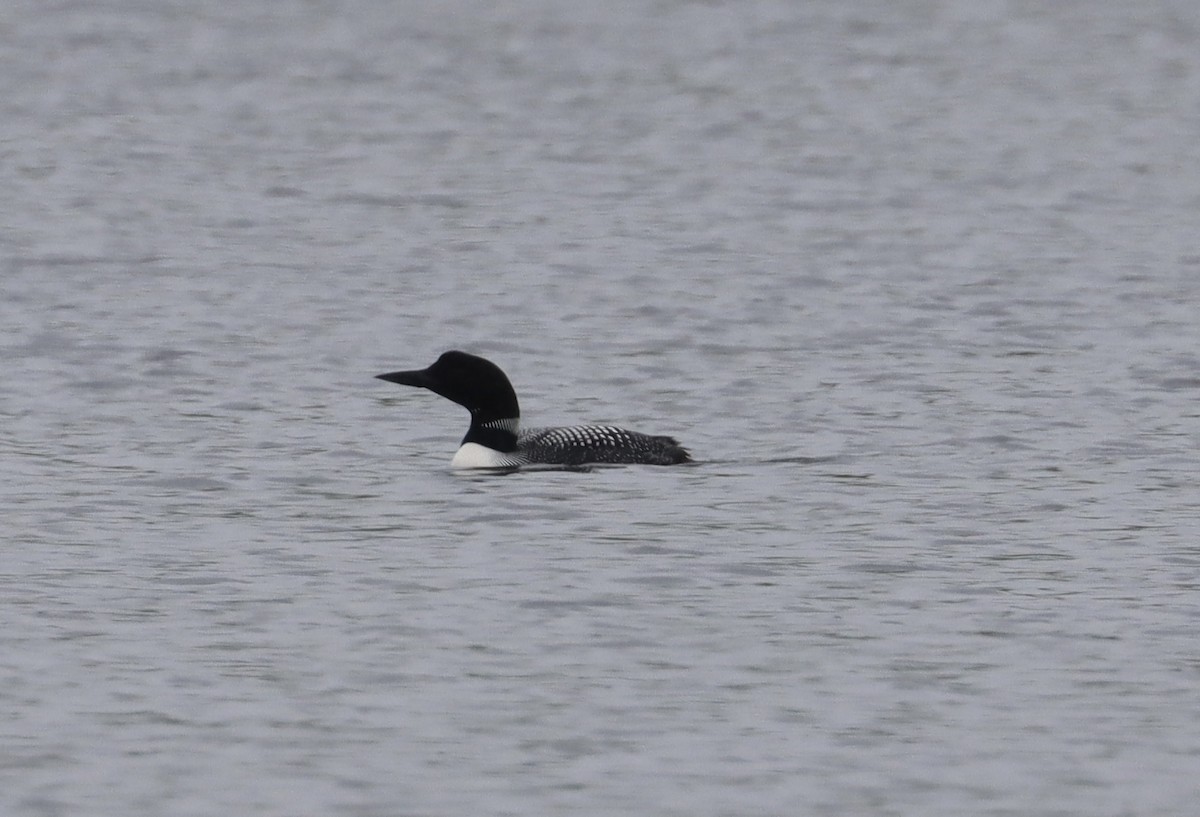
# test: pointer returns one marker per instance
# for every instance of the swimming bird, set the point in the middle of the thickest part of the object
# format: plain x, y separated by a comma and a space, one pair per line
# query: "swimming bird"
495, 438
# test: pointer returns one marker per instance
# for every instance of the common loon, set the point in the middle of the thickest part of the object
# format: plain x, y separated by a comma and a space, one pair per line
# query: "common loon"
495, 438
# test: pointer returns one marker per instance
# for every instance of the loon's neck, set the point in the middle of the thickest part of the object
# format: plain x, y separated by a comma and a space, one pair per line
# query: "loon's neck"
498, 435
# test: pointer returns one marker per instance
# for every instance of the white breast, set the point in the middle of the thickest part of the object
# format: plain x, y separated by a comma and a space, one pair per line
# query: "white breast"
474, 455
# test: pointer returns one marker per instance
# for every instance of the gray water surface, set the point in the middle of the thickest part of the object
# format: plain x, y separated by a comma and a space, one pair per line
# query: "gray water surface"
916, 282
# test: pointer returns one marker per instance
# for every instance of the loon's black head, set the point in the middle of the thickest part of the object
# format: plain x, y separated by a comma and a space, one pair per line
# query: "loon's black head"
474, 383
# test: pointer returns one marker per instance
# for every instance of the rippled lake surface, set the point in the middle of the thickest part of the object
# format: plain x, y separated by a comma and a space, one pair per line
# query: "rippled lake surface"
916, 282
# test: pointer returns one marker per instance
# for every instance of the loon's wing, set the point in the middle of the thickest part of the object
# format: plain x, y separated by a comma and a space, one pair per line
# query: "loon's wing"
579, 445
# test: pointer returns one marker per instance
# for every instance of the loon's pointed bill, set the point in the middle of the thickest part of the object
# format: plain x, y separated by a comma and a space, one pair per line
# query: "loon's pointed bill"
495, 438
415, 378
